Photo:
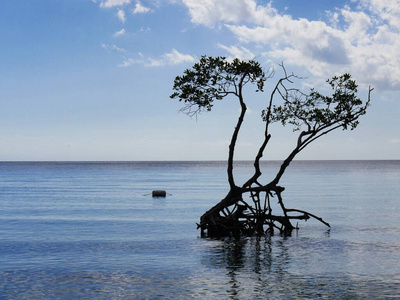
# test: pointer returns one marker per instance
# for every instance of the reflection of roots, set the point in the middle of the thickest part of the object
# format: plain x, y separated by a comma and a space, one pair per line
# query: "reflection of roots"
250, 217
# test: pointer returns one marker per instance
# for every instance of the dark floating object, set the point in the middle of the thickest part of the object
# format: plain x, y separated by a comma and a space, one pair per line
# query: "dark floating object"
159, 193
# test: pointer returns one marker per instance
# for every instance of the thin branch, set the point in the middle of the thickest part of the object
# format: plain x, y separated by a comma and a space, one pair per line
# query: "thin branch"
307, 213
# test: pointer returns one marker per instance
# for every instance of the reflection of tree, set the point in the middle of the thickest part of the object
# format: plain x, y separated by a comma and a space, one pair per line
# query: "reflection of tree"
251, 263
276, 267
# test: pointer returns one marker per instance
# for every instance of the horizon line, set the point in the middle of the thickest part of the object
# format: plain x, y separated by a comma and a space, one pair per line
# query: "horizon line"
208, 160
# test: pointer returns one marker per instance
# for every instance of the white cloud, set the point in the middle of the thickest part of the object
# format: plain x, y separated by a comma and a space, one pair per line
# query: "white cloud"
112, 3
386, 10
140, 9
333, 18
113, 47
121, 15
175, 57
151, 62
210, 12
118, 49
120, 32
129, 62
172, 58
363, 41
238, 52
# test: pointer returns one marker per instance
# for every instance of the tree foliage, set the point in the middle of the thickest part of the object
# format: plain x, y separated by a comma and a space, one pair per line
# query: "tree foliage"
214, 78
317, 111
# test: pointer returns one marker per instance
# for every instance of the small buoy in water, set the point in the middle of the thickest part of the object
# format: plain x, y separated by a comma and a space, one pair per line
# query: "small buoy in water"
159, 193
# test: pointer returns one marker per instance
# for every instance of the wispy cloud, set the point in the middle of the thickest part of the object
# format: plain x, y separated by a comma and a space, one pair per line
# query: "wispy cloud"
113, 3
121, 15
238, 52
113, 47
172, 58
130, 62
387, 10
175, 57
140, 9
120, 32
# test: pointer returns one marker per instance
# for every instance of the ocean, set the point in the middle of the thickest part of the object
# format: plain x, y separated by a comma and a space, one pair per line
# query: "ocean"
92, 230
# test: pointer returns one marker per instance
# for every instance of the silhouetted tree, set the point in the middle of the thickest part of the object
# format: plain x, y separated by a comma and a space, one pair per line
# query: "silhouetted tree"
312, 115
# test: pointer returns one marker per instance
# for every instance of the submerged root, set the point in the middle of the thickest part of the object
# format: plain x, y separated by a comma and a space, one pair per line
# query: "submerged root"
236, 217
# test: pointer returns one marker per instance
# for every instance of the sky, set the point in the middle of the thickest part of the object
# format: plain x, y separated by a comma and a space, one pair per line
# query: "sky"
91, 79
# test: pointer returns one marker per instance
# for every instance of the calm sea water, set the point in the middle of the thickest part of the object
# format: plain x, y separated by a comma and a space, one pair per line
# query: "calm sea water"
93, 231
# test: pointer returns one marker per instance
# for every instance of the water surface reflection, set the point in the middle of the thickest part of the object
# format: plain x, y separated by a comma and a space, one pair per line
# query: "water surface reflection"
287, 267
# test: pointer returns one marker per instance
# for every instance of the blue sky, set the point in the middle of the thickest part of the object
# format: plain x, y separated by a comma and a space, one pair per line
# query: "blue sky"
91, 79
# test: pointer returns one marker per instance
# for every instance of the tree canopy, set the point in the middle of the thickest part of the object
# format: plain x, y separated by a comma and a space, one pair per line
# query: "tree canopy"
214, 78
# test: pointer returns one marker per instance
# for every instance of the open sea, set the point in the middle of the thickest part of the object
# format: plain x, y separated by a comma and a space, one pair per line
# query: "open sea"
92, 230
